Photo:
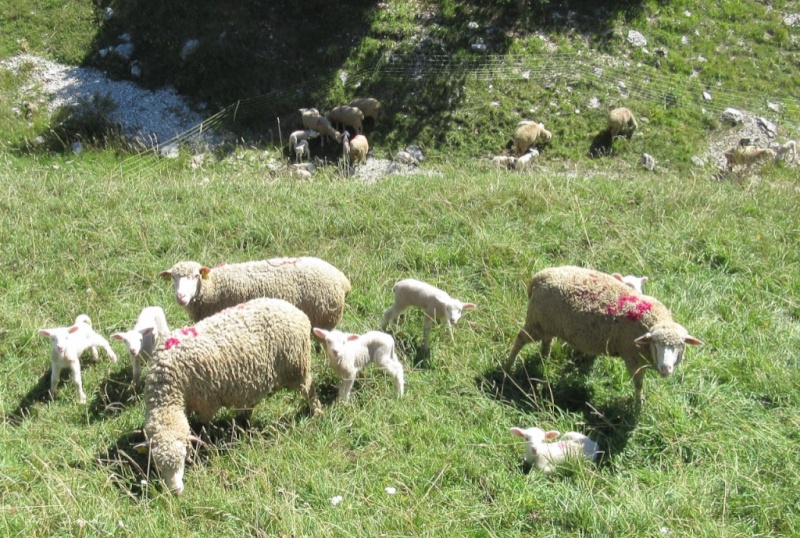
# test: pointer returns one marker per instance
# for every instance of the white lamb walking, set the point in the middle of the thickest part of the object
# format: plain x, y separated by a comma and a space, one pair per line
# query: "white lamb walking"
437, 304
150, 329
543, 452
67, 345
348, 354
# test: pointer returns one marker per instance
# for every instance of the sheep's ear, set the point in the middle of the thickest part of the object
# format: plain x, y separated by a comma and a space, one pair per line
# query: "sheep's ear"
351, 337
166, 275
117, 336
692, 341
550, 435
147, 330
519, 432
617, 276
196, 439
320, 333
644, 340
142, 447
644, 279
44, 332
468, 306
73, 329
204, 272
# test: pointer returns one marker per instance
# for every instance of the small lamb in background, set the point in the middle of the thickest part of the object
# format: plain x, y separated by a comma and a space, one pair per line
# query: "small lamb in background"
67, 345
437, 305
635, 282
150, 329
348, 354
544, 454
786, 151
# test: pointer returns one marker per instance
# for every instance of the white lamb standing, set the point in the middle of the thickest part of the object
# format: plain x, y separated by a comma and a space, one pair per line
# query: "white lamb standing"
150, 329
543, 452
525, 161
313, 285
635, 282
67, 345
437, 304
232, 359
302, 150
348, 354
599, 315
504, 161
297, 136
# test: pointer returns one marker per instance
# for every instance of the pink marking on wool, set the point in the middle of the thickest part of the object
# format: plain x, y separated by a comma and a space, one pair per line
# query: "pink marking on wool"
221, 264
189, 331
171, 342
632, 306
283, 261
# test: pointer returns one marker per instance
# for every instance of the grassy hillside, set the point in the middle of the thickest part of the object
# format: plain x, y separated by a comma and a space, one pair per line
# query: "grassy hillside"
710, 453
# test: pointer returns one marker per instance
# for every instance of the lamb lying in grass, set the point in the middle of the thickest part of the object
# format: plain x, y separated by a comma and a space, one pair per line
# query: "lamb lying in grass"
66, 346
635, 282
543, 452
437, 304
348, 354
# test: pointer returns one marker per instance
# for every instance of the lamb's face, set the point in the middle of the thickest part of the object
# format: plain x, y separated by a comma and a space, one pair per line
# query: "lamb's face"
453, 310
170, 459
334, 341
133, 341
60, 338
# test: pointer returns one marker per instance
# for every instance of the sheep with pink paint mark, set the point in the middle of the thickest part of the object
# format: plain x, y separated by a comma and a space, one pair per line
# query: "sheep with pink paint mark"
599, 315
545, 451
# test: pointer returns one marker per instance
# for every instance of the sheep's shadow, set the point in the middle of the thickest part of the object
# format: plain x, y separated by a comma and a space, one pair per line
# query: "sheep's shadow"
39, 393
114, 395
412, 348
527, 388
602, 144
132, 470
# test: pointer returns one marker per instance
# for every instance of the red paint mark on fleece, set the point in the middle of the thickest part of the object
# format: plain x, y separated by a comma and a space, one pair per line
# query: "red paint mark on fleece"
189, 331
223, 264
283, 261
171, 342
632, 306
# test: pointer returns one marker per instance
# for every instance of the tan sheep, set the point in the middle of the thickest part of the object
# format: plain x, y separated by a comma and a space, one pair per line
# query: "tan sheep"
370, 106
355, 149
527, 135
312, 120
747, 156
621, 121
599, 315
347, 116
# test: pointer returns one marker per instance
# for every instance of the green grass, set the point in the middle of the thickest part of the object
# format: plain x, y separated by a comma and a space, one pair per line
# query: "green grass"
708, 456
712, 452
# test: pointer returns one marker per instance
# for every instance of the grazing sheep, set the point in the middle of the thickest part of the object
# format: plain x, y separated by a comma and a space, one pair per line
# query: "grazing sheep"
545, 455
786, 151
232, 359
621, 121
437, 305
150, 329
527, 135
313, 285
312, 120
302, 150
296, 136
355, 150
504, 161
747, 156
66, 346
348, 354
369, 106
599, 315
347, 116
635, 282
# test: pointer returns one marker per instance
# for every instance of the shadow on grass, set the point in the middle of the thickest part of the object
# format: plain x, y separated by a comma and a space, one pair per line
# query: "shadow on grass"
115, 395
412, 349
526, 388
39, 393
132, 470
602, 144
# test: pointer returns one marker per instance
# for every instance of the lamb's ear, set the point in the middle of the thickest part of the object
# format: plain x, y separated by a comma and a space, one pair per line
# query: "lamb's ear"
519, 432
644, 340
320, 333
644, 279
352, 336
617, 276
44, 332
166, 275
73, 329
692, 341
468, 306
117, 336
146, 330
550, 435
142, 447
196, 440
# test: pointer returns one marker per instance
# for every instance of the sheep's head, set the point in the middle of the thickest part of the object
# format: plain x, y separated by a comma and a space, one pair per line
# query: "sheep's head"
453, 309
186, 278
334, 341
59, 338
631, 281
667, 342
133, 339
534, 437
168, 437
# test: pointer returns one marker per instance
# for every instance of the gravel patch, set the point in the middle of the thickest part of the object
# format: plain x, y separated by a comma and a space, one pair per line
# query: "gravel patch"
146, 117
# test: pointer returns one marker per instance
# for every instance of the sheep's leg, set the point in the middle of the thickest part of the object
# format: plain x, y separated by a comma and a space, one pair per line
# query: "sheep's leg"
426, 330
345, 386
392, 365
637, 374
545, 350
310, 394
523, 337
390, 314
137, 369
55, 374
76, 378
